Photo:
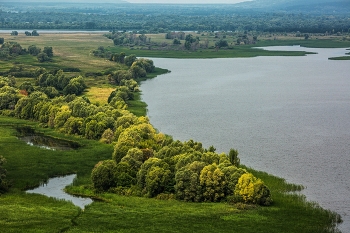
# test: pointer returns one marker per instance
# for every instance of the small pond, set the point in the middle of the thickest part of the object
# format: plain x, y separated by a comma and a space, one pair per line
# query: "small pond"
54, 187
33, 138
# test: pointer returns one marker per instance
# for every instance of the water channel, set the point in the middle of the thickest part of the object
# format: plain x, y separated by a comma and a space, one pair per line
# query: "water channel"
288, 116
54, 187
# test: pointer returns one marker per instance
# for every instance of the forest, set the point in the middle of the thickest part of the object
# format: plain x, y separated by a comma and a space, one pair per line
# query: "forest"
153, 18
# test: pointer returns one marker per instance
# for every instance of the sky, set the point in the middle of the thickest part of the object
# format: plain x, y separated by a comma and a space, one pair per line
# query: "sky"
188, 1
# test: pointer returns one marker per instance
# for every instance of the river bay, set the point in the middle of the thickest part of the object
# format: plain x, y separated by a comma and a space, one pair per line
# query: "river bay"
288, 116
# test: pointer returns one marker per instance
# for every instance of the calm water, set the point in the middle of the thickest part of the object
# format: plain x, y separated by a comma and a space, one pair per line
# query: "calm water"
288, 116
55, 188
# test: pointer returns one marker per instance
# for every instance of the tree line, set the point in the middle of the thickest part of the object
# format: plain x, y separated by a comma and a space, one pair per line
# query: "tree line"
161, 19
144, 162
11, 49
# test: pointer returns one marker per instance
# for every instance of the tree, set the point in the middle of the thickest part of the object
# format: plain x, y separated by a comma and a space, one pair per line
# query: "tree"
154, 177
103, 175
8, 97
233, 157
75, 86
48, 51
187, 185
42, 57
129, 60
212, 179
35, 33
33, 50
107, 136
221, 43
3, 183
157, 180
27, 86
176, 41
249, 189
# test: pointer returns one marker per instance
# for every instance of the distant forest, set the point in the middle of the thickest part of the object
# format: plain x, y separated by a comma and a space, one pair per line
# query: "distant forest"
159, 18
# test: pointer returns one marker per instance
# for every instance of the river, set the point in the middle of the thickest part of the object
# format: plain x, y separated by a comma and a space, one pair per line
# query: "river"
288, 116
54, 187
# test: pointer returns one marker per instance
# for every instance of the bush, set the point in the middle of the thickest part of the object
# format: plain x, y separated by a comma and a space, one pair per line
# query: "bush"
251, 190
3, 182
102, 175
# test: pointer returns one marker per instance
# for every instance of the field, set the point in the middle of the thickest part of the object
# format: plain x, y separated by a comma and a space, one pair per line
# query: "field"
29, 166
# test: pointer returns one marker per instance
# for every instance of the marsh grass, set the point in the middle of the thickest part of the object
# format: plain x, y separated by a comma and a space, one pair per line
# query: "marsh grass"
99, 94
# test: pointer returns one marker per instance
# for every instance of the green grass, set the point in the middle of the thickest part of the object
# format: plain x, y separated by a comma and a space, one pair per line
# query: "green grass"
37, 165
237, 51
343, 58
311, 43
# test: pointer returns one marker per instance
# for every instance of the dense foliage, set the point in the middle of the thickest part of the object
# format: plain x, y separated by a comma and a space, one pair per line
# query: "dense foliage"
12, 49
144, 162
163, 18
3, 182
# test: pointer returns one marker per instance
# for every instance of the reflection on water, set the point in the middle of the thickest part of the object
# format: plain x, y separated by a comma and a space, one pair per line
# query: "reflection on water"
33, 138
55, 188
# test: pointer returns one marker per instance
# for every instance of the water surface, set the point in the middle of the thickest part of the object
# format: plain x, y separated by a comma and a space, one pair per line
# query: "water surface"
288, 116
54, 187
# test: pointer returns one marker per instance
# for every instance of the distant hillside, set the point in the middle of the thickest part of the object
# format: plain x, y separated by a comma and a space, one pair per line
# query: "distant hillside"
68, 1
305, 6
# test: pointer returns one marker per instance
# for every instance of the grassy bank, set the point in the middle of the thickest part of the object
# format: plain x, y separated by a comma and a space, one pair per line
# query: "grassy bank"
28, 166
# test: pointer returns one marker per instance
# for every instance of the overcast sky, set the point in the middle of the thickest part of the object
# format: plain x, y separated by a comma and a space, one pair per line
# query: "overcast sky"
188, 1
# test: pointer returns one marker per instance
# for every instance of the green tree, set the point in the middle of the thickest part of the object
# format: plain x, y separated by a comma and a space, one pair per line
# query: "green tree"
212, 179
107, 136
249, 189
221, 43
103, 175
176, 41
75, 86
48, 51
233, 157
33, 50
3, 182
35, 33
129, 60
27, 86
154, 177
187, 180
157, 180
74, 125
8, 97
42, 57
134, 157
124, 175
